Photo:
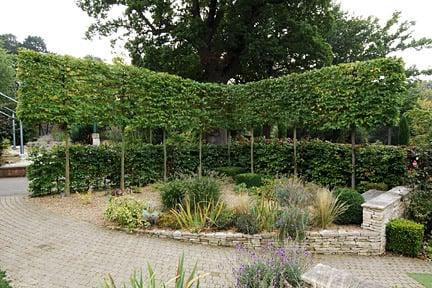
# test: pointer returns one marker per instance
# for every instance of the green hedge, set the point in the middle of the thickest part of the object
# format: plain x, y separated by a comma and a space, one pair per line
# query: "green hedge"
320, 162
249, 179
404, 237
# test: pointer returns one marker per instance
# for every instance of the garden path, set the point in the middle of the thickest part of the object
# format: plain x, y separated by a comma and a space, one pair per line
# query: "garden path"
42, 249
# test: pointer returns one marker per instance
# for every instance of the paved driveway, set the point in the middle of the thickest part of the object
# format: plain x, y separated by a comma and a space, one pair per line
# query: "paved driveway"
41, 249
13, 186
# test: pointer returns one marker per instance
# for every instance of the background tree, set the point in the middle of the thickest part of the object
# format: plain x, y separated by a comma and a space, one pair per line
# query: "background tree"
8, 87
218, 41
11, 44
355, 38
419, 116
35, 43
7, 74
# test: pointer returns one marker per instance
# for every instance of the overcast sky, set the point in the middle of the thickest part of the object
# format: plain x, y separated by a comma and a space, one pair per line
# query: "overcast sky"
62, 24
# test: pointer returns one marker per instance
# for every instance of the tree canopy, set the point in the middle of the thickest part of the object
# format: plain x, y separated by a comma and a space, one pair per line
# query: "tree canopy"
243, 41
11, 44
7, 74
218, 41
355, 38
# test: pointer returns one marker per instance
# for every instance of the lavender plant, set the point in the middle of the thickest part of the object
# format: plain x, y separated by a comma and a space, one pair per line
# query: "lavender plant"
272, 266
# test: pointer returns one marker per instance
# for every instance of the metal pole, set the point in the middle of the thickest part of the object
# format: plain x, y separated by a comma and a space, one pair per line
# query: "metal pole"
10, 98
13, 132
22, 140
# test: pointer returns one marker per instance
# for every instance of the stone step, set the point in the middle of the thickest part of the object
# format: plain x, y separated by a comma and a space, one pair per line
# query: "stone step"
324, 276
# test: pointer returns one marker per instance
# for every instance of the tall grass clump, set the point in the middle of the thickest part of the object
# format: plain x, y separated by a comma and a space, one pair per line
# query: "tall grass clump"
326, 208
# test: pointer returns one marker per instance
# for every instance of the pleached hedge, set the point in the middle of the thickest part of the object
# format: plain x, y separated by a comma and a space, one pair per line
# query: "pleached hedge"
321, 162
65, 90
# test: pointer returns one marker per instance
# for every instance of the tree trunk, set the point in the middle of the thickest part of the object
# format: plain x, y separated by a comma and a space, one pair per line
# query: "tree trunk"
200, 155
67, 164
150, 136
267, 131
295, 150
389, 136
229, 147
353, 159
252, 150
165, 177
122, 161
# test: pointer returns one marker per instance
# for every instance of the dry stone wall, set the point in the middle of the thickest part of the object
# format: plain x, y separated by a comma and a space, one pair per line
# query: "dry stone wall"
369, 239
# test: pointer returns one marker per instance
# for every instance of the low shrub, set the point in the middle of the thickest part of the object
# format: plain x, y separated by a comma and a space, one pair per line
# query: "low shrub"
294, 192
173, 193
250, 179
126, 212
230, 171
198, 190
225, 220
247, 224
404, 236
276, 267
203, 190
420, 207
326, 208
168, 220
292, 223
354, 211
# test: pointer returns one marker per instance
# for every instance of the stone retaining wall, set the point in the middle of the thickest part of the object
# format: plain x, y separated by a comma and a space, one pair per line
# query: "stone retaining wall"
355, 241
226, 238
369, 239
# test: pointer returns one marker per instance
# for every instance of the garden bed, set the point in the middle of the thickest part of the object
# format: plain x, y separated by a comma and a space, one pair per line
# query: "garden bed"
77, 206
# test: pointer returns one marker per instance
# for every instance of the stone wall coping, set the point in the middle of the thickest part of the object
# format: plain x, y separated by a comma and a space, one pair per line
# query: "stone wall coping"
386, 199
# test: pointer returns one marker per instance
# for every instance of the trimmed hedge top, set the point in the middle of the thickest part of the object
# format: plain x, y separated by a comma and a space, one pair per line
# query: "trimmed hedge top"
65, 90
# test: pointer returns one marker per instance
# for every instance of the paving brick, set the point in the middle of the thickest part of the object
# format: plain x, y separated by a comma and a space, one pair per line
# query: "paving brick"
41, 249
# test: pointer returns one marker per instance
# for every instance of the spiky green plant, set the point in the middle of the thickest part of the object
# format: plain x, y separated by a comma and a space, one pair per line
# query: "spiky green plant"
326, 208
180, 280
199, 216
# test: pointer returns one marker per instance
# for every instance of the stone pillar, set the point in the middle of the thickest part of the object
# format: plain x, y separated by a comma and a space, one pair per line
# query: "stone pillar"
378, 211
95, 139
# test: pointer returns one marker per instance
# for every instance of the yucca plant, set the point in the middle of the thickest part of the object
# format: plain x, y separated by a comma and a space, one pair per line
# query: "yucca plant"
180, 280
326, 208
198, 217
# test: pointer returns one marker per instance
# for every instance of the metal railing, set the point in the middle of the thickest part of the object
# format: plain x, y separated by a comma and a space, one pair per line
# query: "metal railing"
13, 124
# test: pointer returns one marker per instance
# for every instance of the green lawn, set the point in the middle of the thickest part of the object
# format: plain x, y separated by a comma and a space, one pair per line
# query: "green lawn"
423, 278
3, 282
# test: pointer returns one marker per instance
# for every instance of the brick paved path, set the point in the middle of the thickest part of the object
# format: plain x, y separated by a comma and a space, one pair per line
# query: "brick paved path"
41, 249
13, 186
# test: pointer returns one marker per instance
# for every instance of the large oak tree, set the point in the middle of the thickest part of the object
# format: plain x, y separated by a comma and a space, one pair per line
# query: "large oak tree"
218, 40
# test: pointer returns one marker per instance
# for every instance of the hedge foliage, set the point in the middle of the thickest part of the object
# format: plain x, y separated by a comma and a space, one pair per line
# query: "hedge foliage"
249, 179
354, 212
65, 90
320, 162
404, 237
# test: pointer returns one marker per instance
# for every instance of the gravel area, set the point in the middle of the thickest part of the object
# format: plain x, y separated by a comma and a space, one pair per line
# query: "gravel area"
90, 209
